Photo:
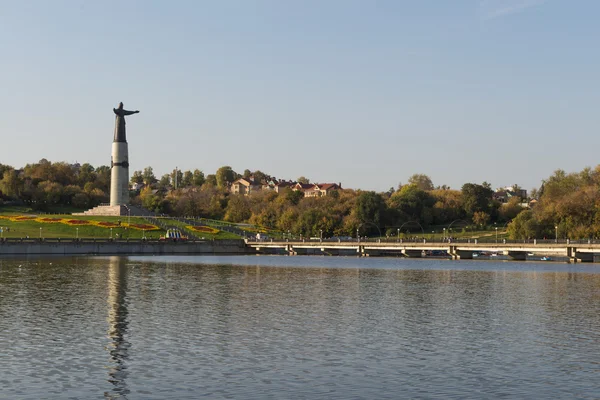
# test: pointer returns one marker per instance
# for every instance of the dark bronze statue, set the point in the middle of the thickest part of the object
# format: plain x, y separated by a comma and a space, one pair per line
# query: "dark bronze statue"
120, 123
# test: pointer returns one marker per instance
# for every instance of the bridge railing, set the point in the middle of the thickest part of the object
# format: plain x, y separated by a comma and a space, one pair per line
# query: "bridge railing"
427, 240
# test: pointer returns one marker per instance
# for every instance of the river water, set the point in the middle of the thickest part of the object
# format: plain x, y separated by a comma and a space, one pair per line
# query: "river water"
275, 327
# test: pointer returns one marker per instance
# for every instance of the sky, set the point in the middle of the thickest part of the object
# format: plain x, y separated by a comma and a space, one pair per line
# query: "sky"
361, 92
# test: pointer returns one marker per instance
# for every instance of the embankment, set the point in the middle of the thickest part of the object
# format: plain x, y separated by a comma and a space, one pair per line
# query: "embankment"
122, 247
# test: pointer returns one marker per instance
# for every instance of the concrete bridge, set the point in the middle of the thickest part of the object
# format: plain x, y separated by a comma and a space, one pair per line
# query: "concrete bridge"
574, 251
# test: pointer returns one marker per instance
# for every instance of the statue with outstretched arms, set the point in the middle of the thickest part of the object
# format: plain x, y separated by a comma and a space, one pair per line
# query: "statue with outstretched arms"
120, 113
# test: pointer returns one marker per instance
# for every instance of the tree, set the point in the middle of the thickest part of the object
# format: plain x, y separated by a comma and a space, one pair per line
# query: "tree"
211, 180
11, 185
481, 218
412, 203
176, 178
137, 177
225, 175
238, 209
247, 174
370, 207
421, 181
476, 198
303, 180
187, 179
148, 176
259, 176
198, 178
164, 181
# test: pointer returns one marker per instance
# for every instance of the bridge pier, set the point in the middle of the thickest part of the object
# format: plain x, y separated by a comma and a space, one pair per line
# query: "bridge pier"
460, 254
579, 256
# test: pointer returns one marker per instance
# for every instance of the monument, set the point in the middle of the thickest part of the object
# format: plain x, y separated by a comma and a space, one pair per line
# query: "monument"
119, 174
119, 162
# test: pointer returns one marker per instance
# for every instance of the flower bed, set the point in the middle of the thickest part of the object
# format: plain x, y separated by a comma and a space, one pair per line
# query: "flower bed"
49, 220
106, 224
21, 218
203, 229
76, 222
146, 227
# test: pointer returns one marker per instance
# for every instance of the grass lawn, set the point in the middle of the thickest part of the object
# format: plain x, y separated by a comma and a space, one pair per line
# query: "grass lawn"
36, 229
205, 235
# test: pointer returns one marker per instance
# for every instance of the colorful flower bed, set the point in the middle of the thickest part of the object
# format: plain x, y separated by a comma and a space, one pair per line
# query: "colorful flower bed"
79, 222
146, 227
49, 220
106, 224
76, 222
203, 229
22, 218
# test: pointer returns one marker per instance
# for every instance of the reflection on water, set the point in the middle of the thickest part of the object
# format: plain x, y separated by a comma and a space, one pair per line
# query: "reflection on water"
117, 320
297, 327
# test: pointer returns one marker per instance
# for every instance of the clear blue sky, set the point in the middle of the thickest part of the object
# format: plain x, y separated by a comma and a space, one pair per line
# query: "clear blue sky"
360, 92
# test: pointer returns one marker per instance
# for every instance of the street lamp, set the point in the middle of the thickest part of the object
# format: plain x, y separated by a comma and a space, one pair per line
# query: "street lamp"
398, 234
111, 233
496, 234
432, 236
444, 229
357, 237
321, 234
40, 232
556, 231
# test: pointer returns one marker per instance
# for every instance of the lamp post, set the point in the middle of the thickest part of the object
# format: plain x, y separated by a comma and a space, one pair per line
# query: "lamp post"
496, 234
398, 234
357, 237
444, 229
76, 233
556, 231
111, 233
40, 232
321, 234
432, 236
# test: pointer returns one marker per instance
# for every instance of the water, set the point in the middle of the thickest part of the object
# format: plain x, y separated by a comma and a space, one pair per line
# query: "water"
297, 328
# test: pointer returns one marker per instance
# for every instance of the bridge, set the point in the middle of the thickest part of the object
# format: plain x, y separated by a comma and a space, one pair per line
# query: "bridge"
582, 251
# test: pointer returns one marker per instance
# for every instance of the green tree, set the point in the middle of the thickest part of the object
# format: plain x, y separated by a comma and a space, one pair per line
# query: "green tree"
211, 180
303, 180
421, 181
238, 209
198, 178
176, 178
476, 198
148, 176
137, 177
11, 184
225, 175
187, 179
370, 207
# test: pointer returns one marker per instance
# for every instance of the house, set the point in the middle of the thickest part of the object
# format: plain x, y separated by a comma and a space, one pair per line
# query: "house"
305, 188
320, 189
327, 188
136, 187
244, 186
284, 185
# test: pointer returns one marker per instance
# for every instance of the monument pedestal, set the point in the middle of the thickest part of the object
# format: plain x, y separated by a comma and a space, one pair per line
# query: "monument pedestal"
117, 211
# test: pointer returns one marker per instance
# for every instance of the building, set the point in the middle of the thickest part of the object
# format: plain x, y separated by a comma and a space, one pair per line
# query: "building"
244, 186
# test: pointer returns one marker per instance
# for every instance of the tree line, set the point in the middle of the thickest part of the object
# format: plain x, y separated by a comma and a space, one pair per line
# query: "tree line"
568, 204
412, 207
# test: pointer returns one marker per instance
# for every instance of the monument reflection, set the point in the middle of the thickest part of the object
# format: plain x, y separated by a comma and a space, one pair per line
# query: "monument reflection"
117, 327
